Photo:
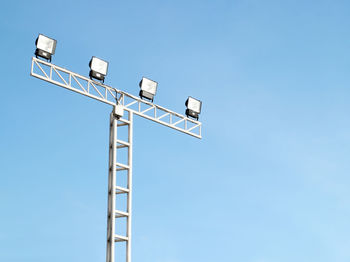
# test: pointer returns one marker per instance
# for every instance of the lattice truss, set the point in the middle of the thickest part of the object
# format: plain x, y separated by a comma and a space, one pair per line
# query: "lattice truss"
119, 188
109, 95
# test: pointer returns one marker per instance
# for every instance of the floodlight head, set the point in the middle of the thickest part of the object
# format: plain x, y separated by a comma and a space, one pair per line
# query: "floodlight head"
45, 47
148, 88
194, 107
98, 68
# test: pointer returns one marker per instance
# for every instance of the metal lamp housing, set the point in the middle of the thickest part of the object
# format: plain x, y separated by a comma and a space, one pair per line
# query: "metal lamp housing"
98, 68
194, 107
45, 47
148, 88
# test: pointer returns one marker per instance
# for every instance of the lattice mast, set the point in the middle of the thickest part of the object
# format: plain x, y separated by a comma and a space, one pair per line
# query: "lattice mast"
118, 170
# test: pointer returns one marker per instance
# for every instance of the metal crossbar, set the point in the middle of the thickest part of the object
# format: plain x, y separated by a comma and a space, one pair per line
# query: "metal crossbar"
109, 95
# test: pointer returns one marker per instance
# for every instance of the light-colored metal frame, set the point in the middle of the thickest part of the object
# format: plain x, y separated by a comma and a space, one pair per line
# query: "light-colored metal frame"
109, 95
116, 171
131, 105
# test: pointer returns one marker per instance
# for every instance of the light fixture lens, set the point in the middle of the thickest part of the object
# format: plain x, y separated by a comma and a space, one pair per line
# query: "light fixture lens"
99, 66
148, 85
46, 44
194, 104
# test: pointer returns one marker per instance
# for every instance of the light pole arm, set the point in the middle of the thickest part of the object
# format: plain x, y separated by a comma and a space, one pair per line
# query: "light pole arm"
109, 95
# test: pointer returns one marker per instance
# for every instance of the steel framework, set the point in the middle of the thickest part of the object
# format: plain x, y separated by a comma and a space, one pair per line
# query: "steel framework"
119, 169
106, 94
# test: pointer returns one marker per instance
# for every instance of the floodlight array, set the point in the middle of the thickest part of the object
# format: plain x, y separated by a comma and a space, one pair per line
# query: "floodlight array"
125, 106
45, 48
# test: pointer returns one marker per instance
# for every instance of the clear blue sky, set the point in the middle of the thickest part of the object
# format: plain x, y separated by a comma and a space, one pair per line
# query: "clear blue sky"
269, 181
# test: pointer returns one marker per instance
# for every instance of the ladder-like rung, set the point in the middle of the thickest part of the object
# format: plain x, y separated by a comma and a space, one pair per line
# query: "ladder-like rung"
124, 122
118, 238
122, 144
119, 213
121, 190
121, 166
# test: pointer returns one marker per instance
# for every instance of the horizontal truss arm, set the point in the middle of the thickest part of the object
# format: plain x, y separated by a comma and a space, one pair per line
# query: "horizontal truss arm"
106, 94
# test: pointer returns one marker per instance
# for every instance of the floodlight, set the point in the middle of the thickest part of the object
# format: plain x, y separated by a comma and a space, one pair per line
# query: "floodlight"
98, 68
45, 47
148, 88
193, 107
